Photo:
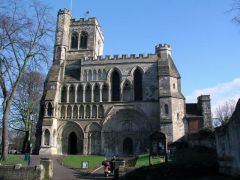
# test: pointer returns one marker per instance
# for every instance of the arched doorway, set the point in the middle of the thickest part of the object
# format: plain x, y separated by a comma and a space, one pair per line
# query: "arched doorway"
72, 143
127, 146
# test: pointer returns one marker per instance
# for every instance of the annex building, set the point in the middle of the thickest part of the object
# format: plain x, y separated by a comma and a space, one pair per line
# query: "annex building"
110, 105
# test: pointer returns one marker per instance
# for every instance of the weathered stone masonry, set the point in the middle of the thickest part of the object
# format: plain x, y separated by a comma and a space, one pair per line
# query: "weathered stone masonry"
108, 105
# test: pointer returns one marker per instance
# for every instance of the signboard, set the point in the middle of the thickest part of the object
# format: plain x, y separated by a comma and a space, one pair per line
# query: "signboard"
85, 164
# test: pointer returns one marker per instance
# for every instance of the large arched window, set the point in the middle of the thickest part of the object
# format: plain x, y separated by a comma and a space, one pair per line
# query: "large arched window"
72, 94
49, 109
137, 85
89, 75
84, 40
96, 93
88, 93
115, 81
46, 137
74, 40
64, 94
80, 94
99, 74
94, 75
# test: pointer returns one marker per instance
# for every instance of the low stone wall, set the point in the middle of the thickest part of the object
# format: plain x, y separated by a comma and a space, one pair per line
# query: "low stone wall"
17, 172
228, 144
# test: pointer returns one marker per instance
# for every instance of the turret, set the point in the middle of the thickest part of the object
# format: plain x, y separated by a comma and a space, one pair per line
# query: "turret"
62, 34
163, 50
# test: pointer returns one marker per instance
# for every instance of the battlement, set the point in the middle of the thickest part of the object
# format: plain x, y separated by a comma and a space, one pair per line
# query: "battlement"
121, 57
64, 11
162, 47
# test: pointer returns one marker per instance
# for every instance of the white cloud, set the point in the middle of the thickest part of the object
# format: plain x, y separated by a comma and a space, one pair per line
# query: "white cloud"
219, 93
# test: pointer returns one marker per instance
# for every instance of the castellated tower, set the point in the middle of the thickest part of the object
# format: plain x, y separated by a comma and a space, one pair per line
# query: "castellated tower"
171, 100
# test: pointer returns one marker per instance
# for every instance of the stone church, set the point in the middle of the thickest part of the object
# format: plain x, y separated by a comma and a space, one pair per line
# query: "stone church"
110, 105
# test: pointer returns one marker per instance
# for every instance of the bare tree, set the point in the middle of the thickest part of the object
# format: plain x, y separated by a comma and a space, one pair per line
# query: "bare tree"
25, 27
225, 111
236, 11
25, 107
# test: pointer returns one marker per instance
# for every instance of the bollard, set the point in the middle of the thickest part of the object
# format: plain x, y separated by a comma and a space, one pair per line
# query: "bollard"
48, 166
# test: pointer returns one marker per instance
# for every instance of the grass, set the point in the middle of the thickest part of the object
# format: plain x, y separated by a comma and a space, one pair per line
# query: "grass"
13, 159
143, 160
75, 161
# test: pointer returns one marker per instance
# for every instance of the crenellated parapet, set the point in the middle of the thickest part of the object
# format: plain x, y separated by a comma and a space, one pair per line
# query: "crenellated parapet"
64, 11
163, 50
121, 57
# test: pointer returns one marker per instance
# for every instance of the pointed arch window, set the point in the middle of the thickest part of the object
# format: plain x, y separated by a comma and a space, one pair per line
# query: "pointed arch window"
84, 40
64, 94
72, 94
74, 40
46, 137
115, 81
138, 85
49, 110
96, 93
88, 93
80, 94
105, 93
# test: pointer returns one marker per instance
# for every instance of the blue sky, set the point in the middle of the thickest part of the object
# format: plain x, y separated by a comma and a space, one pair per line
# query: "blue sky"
205, 42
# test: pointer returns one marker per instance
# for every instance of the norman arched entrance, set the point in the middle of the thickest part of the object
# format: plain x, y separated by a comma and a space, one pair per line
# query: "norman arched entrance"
72, 143
127, 146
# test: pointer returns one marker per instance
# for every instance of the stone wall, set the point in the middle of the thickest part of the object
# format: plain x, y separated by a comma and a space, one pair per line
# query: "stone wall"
17, 172
228, 144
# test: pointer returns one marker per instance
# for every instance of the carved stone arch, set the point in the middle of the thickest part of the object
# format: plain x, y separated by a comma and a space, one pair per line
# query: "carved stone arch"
96, 92
104, 74
63, 111
81, 112
72, 93
74, 40
134, 69
84, 40
126, 87
70, 138
94, 111
75, 111
85, 75
89, 75
105, 92
50, 109
46, 137
99, 74
80, 93
69, 111
88, 111
64, 93
94, 75
114, 79
94, 138
88, 92
100, 111
137, 75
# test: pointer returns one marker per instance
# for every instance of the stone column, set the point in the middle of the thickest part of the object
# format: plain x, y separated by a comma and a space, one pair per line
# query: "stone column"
48, 166
76, 87
100, 93
92, 94
84, 93
68, 87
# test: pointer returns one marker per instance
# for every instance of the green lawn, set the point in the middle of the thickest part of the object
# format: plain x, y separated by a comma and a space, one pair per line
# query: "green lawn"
13, 159
143, 160
75, 161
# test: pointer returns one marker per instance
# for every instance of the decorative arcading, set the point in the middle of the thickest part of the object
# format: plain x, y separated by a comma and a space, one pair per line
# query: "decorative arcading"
120, 57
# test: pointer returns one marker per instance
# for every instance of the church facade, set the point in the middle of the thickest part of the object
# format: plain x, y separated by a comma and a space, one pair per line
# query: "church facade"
110, 105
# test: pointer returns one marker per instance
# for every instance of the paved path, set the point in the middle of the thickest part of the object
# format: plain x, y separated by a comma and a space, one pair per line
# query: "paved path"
62, 173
